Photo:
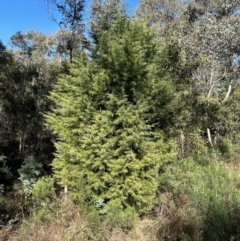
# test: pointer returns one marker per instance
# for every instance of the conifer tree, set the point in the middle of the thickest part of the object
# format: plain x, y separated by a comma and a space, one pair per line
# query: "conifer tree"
109, 147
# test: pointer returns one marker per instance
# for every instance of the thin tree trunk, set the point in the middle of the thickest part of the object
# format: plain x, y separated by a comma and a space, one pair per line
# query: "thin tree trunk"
65, 192
228, 93
209, 137
182, 142
71, 55
213, 83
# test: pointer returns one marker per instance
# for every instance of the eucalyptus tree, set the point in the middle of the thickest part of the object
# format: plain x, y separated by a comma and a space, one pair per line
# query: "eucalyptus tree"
6, 60
206, 32
214, 38
71, 23
28, 73
17, 106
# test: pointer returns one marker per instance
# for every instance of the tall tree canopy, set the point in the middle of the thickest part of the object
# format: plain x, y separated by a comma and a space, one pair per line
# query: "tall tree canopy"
206, 32
27, 75
71, 23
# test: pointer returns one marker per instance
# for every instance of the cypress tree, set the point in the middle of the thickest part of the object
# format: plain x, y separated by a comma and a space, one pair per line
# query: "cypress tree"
109, 147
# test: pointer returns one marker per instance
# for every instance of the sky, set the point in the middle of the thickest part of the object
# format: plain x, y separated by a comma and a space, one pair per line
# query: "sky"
24, 15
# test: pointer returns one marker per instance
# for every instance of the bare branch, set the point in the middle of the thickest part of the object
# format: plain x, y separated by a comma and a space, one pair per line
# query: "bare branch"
214, 82
209, 137
228, 92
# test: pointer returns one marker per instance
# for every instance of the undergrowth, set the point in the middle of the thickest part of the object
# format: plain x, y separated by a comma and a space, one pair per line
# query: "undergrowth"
198, 199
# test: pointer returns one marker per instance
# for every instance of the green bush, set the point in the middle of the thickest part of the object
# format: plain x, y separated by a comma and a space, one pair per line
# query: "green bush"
29, 172
214, 193
217, 200
221, 220
224, 147
44, 189
94, 217
112, 214
120, 217
5, 173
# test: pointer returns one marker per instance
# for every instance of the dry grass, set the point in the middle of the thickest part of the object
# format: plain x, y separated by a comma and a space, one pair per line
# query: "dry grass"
77, 231
62, 222
166, 222
172, 220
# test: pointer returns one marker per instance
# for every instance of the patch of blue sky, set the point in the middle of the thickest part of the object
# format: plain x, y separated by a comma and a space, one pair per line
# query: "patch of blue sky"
25, 15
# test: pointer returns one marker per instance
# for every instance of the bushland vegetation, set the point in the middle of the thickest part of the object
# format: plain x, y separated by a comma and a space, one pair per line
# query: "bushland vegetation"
125, 127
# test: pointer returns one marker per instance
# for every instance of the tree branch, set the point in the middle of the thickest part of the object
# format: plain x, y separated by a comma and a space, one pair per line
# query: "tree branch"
228, 92
213, 83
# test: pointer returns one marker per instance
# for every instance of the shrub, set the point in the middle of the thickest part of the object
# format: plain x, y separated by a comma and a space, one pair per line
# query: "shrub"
29, 172
217, 200
113, 214
224, 147
5, 173
120, 217
44, 189
213, 191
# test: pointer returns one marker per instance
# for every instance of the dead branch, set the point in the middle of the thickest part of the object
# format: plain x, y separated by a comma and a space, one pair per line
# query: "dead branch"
213, 83
228, 92
209, 137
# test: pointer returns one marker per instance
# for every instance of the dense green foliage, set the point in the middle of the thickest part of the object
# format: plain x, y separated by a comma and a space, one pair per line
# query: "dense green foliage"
214, 193
110, 144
